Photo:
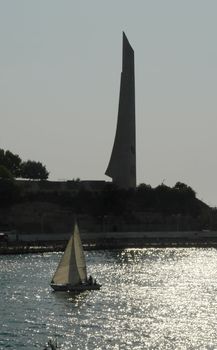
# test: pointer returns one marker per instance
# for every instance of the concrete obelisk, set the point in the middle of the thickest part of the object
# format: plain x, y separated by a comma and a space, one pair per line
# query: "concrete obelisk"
122, 165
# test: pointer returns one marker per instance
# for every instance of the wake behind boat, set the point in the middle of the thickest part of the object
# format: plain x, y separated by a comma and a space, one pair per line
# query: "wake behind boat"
71, 273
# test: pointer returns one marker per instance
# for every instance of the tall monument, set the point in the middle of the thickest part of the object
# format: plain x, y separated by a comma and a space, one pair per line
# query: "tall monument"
122, 164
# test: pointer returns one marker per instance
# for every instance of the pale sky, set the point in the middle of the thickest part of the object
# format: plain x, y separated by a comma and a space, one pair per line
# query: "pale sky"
60, 67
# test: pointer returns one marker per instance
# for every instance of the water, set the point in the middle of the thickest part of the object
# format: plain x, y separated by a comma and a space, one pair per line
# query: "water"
150, 299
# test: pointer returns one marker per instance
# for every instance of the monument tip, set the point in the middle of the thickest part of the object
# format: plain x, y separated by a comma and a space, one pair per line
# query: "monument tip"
126, 41
124, 36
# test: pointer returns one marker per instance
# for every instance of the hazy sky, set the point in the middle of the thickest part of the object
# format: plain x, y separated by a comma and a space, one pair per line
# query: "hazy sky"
60, 67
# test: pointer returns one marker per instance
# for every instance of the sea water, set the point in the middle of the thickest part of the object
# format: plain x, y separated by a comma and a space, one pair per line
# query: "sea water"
150, 299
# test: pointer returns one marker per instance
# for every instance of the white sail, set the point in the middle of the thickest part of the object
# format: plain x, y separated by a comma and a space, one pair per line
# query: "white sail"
72, 266
79, 255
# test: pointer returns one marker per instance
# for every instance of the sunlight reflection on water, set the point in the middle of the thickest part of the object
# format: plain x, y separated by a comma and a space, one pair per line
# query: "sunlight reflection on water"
150, 299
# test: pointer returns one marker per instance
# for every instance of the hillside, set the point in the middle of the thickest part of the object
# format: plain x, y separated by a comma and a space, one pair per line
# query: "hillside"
46, 206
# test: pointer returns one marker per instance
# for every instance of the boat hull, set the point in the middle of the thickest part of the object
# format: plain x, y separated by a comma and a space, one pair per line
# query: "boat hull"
77, 288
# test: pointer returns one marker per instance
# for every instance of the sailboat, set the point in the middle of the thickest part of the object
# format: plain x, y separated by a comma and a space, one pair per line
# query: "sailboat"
71, 273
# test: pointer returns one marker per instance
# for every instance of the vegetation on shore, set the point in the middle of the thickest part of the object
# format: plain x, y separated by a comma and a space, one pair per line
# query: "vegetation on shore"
178, 200
11, 166
156, 207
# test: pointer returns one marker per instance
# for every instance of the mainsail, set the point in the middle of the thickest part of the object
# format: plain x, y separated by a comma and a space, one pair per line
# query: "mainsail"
72, 267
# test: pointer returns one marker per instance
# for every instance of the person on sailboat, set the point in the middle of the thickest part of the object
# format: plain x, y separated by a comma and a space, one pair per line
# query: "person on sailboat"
51, 345
90, 280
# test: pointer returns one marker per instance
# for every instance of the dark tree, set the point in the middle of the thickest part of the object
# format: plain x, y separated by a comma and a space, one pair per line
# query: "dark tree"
34, 170
180, 186
11, 161
145, 197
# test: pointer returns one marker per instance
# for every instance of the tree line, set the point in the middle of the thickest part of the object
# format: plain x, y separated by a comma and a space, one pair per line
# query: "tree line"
179, 199
12, 166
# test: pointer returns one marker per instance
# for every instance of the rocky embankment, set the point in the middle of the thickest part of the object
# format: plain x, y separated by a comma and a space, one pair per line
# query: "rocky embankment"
110, 240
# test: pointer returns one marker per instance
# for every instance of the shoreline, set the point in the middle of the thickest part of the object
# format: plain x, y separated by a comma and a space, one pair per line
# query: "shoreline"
27, 248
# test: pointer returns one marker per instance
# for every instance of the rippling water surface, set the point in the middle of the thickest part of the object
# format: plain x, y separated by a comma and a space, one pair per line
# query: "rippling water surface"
150, 299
